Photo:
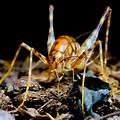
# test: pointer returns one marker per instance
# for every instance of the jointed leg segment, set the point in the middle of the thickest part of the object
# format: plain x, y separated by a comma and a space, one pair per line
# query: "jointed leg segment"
84, 58
85, 55
29, 79
106, 41
32, 51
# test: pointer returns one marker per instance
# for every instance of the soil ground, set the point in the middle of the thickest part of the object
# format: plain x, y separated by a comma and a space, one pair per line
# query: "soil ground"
44, 102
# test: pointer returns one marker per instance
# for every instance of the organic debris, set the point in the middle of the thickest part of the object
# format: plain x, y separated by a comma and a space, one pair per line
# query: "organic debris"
44, 102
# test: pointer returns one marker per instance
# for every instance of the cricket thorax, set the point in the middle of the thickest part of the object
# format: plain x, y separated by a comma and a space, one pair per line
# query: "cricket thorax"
64, 49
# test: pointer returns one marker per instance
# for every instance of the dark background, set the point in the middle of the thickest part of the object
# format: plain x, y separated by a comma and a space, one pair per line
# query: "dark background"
29, 22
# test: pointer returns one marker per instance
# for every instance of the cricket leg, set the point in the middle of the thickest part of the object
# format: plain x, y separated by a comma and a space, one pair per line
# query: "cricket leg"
57, 77
32, 51
11, 66
85, 65
40, 56
83, 58
102, 69
29, 79
106, 40
73, 74
83, 85
51, 37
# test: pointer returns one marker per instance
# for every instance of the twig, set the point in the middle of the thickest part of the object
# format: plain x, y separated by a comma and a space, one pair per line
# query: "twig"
109, 115
44, 105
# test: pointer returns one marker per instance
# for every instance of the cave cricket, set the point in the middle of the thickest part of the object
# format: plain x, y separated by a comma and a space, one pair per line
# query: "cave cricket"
65, 54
